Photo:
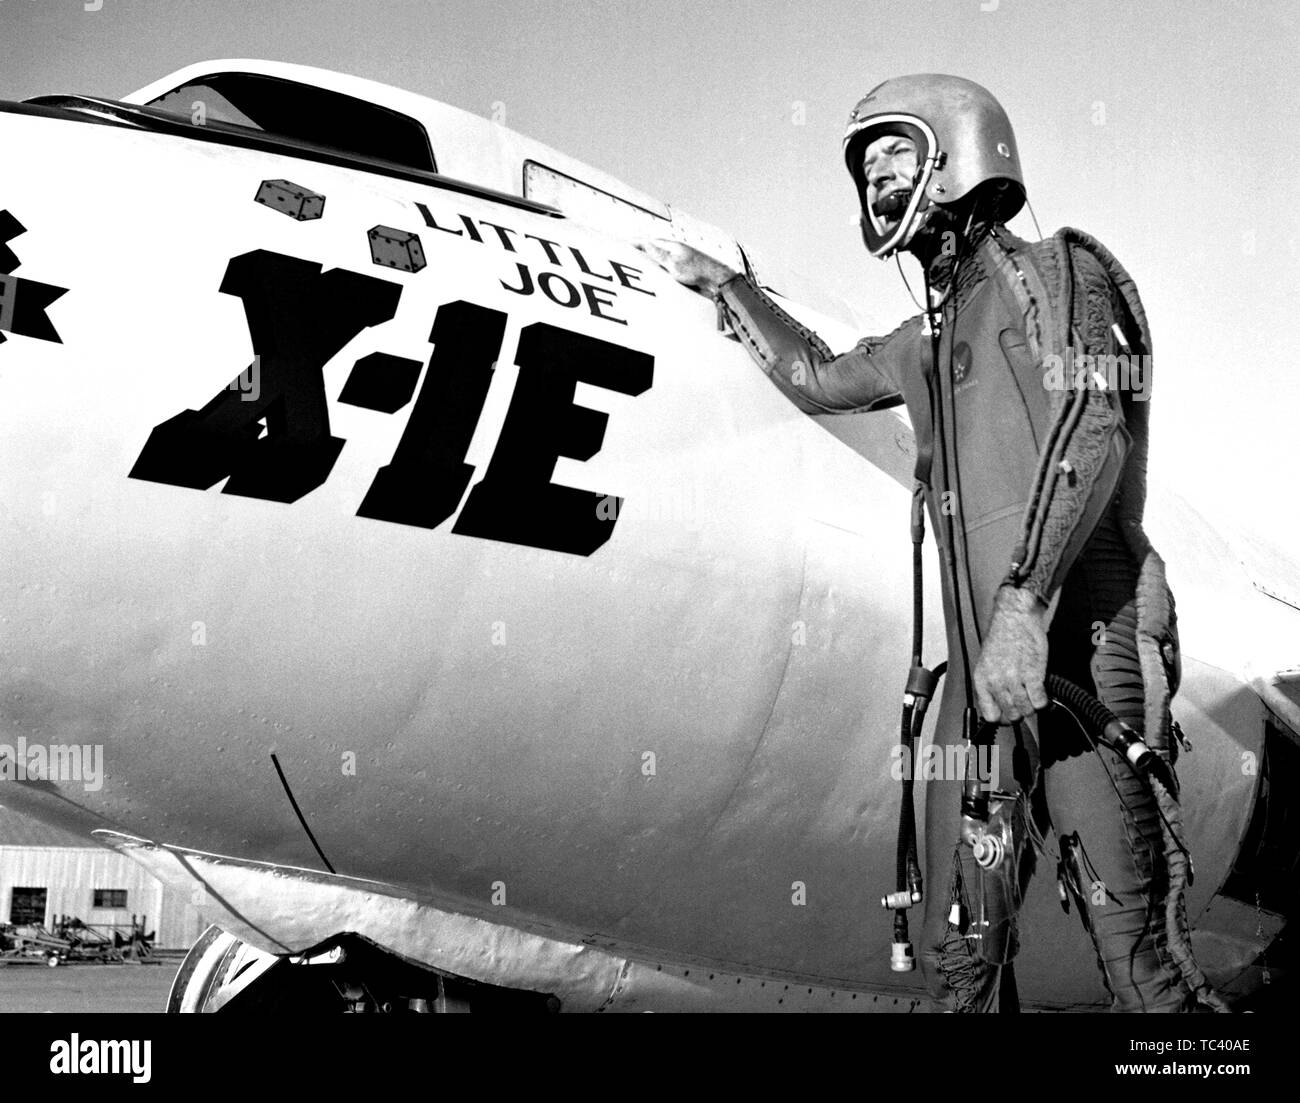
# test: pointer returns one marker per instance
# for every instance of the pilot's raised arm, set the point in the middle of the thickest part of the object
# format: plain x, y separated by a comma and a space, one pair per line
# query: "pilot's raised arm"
798, 361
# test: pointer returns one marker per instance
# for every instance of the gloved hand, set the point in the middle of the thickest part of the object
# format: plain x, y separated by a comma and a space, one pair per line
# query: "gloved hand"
1013, 663
686, 264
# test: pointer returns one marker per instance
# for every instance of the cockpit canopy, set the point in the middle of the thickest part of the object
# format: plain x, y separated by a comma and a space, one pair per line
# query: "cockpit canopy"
303, 113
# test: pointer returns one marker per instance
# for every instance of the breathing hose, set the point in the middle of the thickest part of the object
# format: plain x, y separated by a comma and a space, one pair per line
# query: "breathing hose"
1104, 729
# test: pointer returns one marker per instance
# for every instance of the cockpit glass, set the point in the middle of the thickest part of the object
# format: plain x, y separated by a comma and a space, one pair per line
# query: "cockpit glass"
303, 113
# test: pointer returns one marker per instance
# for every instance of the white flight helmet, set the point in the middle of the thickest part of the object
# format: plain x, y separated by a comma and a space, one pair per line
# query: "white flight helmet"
963, 139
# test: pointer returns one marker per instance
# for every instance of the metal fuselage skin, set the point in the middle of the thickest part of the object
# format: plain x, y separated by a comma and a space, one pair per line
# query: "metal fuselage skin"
654, 713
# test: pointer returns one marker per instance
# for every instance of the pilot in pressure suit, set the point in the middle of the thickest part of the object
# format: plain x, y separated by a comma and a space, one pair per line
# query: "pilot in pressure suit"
1032, 454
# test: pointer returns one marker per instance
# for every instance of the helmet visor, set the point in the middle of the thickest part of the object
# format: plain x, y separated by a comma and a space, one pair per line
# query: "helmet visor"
887, 223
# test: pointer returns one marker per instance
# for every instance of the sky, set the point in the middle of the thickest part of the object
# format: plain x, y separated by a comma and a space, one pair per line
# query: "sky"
1165, 129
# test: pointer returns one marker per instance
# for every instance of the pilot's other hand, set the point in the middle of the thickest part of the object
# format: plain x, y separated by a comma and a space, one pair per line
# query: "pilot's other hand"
686, 264
1013, 663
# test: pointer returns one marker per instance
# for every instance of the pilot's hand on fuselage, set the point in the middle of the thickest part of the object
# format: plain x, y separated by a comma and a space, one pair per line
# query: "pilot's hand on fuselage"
1013, 662
686, 264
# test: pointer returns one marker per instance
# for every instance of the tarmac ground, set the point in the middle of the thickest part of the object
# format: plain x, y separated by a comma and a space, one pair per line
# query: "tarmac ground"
106, 989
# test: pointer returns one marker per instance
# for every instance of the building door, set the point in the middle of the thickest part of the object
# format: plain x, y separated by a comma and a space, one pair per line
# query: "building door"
27, 907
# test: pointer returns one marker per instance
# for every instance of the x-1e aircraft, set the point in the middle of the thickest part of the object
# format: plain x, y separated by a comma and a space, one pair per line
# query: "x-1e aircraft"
465, 621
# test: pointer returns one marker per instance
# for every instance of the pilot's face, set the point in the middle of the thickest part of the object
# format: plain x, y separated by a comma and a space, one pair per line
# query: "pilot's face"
889, 167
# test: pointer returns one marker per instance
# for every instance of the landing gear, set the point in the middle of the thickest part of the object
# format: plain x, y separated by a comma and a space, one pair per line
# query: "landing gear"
347, 974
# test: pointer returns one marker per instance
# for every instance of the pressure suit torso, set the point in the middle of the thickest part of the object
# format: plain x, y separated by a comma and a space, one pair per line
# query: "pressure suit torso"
997, 415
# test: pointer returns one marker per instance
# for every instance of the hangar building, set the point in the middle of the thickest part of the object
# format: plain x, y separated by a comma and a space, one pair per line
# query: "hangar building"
46, 872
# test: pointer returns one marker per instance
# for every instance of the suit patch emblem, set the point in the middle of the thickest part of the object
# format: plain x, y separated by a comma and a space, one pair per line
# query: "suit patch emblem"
961, 360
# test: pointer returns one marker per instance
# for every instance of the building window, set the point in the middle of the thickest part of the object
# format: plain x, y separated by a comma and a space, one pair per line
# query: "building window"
27, 907
110, 898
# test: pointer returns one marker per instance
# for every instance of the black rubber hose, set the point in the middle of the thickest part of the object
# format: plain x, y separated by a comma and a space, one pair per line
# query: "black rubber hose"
1089, 709
906, 814
1097, 715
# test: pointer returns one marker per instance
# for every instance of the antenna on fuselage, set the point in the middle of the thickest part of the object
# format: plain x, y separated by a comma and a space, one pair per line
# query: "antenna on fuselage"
298, 812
